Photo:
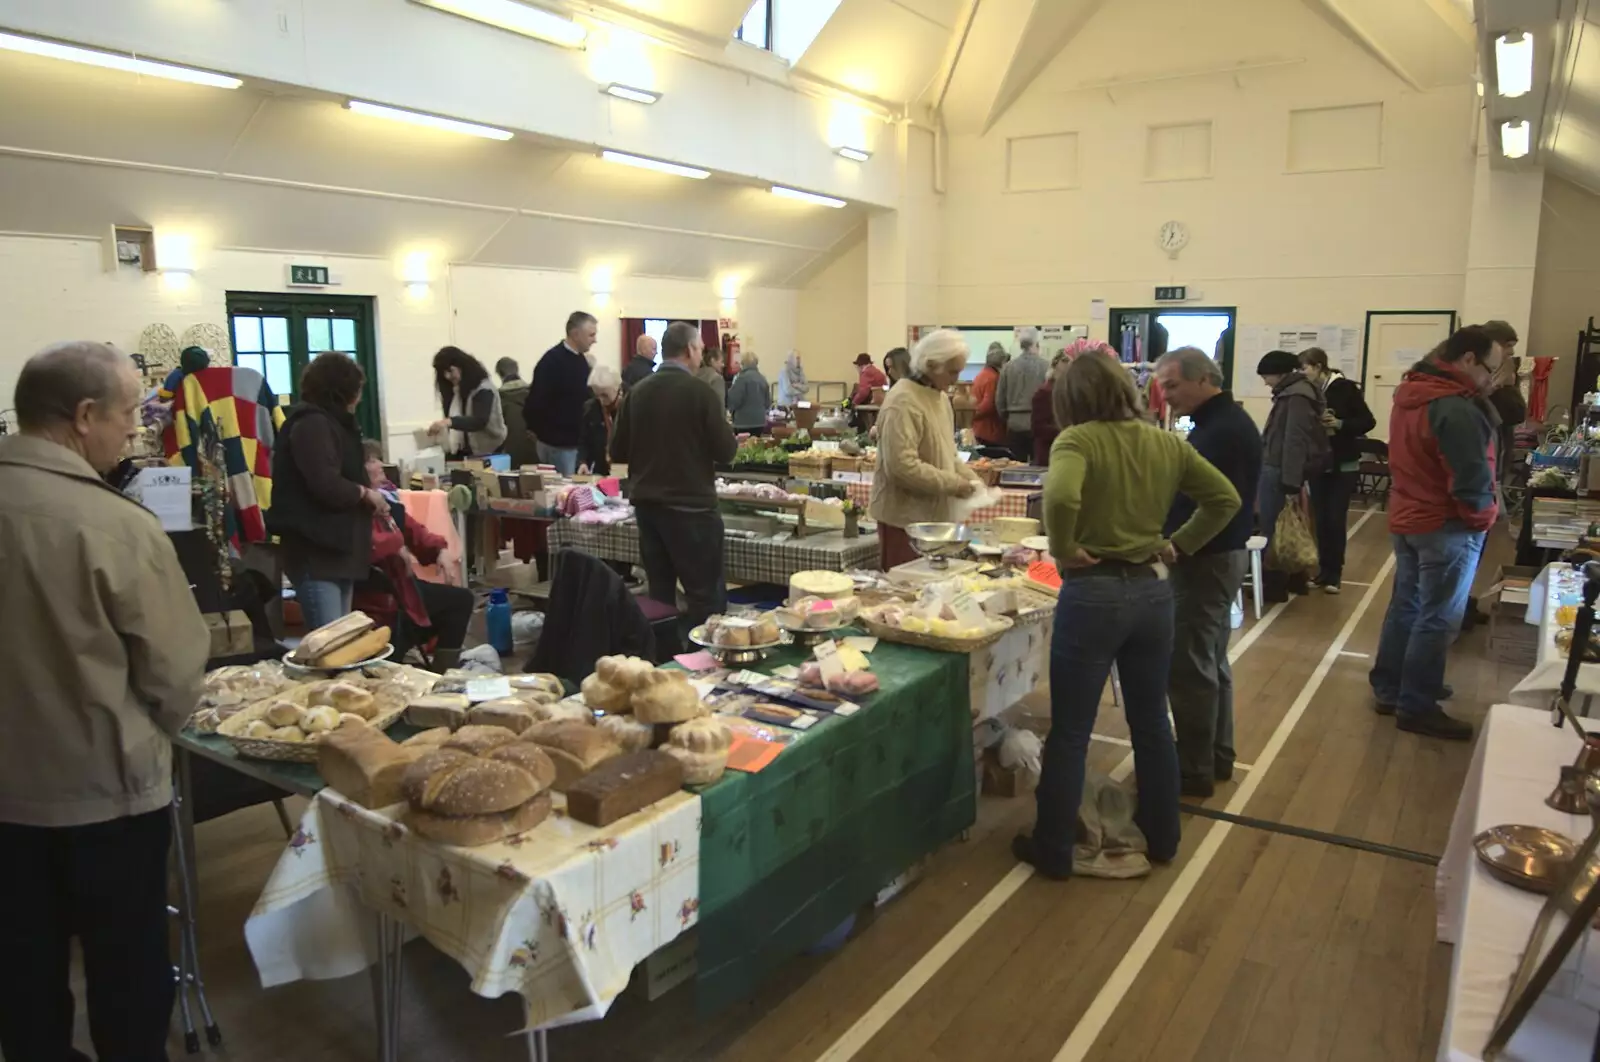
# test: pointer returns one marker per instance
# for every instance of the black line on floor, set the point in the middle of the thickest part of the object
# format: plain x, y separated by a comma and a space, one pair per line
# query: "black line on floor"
1313, 835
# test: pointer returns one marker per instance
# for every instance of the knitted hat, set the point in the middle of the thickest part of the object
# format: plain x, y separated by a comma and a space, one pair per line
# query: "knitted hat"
1277, 363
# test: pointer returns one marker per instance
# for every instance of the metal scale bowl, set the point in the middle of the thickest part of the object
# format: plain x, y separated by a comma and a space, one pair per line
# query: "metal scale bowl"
939, 541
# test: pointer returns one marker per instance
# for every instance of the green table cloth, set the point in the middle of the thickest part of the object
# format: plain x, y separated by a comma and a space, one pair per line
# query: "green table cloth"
788, 853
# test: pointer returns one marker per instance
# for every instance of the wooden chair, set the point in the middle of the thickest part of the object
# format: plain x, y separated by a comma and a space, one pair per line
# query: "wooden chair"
1372, 474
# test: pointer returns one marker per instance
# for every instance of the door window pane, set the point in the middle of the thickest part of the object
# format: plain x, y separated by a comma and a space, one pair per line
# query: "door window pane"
317, 338
280, 374
275, 334
252, 361
247, 335
344, 335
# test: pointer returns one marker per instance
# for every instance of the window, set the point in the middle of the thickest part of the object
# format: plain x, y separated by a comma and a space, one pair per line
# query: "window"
756, 28
655, 328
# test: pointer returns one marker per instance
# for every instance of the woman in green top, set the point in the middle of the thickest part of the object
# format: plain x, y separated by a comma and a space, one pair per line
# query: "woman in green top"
1113, 476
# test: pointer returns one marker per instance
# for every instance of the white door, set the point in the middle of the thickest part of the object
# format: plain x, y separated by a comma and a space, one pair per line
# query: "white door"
1396, 341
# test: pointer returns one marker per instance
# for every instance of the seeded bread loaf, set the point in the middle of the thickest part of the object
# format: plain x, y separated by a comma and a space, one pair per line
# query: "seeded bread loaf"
470, 831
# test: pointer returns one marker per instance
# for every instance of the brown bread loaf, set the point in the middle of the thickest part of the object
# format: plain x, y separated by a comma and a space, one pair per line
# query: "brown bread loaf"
364, 765
470, 831
621, 786
574, 748
478, 739
530, 758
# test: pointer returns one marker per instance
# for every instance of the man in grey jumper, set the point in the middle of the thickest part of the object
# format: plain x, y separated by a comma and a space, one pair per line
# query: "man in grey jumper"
1013, 395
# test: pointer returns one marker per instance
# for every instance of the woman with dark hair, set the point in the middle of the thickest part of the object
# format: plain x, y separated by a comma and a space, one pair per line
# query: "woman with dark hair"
322, 502
1113, 477
473, 424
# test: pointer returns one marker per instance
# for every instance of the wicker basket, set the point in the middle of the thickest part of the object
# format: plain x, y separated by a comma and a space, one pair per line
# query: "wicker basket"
809, 467
933, 641
846, 463
392, 698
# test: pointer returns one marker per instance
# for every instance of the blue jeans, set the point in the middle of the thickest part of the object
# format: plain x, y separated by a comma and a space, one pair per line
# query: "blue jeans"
1121, 616
1432, 581
566, 461
323, 600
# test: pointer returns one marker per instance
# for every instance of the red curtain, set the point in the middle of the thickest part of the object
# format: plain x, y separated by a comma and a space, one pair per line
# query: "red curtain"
710, 336
1539, 389
632, 329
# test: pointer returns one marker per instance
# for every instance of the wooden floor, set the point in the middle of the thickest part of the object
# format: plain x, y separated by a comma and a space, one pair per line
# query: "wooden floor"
1253, 945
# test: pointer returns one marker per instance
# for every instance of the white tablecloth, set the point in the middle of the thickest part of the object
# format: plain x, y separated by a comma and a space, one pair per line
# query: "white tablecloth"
561, 914
1514, 767
1002, 674
1558, 584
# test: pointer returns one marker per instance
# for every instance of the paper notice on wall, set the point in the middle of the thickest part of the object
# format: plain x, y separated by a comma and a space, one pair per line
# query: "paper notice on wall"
165, 492
1097, 310
1342, 345
1405, 357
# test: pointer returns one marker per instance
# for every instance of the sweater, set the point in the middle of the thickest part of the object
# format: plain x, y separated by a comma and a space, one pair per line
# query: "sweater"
1344, 400
918, 473
1224, 435
749, 399
1013, 396
636, 372
672, 432
1112, 483
319, 471
560, 387
987, 425
1044, 424
1441, 453
235, 407
520, 443
1294, 440
714, 380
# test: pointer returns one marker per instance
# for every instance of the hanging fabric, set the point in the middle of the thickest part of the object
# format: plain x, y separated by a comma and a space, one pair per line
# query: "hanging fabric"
1539, 390
237, 407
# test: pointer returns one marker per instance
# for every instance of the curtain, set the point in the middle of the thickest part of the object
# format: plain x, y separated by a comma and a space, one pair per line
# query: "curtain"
709, 335
632, 329
1539, 389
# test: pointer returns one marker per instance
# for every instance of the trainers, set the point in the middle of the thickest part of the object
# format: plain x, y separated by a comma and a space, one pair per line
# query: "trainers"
1435, 724
1196, 785
1022, 849
1330, 588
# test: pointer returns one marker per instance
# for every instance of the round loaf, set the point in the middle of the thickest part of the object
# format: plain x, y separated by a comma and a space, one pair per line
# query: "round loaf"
477, 786
414, 781
623, 672
530, 758
479, 739
319, 719
574, 748
344, 697
436, 736
563, 711
668, 698
699, 768
628, 732
705, 734
470, 831
604, 696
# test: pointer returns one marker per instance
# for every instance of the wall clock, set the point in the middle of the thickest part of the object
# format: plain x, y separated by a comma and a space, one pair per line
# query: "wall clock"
1173, 237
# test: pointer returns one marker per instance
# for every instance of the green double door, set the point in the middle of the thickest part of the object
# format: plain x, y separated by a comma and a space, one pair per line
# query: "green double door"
278, 335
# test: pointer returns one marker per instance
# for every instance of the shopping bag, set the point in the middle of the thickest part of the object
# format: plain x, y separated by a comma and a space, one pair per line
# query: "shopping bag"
1293, 548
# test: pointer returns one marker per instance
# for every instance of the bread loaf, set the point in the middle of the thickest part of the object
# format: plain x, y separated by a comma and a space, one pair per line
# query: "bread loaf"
623, 672
603, 696
471, 831
438, 709
622, 786
666, 697
414, 781
478, 739
546, 687
629, 733
528, 756
574, 748
362, 648
474, 785
701, 746
428, 738
514, 715
563, 711
331, 636
365, 765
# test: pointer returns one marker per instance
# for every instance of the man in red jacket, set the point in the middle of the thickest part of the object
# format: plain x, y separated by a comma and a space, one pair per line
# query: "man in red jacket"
1443, 499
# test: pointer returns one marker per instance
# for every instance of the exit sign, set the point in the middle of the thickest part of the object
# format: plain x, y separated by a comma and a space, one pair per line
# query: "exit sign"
309, 276
1174, 293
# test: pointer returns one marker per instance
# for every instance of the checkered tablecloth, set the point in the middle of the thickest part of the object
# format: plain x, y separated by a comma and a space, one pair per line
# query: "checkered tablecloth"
763, 559
1012, 502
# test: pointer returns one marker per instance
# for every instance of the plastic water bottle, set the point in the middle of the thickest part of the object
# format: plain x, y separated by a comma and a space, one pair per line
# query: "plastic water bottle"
1236, 613
499, 621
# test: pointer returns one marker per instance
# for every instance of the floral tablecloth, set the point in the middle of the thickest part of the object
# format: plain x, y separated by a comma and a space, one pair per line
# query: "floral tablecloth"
1002, 674
561, 914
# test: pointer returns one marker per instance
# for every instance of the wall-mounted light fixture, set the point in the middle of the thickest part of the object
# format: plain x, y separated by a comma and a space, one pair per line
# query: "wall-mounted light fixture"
728, 287
640, 162
1514, 138
629, 92
854, 154
430, 121
416, 269
602, 282
1513, 64
807, 197
113, 61
175, 258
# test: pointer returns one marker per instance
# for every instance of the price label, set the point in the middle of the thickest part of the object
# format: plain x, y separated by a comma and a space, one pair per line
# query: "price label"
847, 477
968, 612
827, 654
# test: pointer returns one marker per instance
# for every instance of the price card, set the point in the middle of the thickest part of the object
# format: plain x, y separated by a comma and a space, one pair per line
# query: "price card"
746, 678
165, 492
826, 446
827, 654
963, 456
847, 477
488, 689
968, 612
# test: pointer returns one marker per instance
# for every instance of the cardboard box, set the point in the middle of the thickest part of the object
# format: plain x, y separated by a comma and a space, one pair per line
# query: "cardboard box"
999, 781
231, 634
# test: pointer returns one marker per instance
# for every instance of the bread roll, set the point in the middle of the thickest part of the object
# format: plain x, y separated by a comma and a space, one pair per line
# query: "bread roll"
622, 786
471, 831
438, 709
287, 733
574, 748
603, 696
257, 728
284, 713
479, 739
364, 765
319, 719
667, 697
514, 715
365, 647
344, 697
629, 733
530, 758
563, 711
701, 747
623, 672
347, 719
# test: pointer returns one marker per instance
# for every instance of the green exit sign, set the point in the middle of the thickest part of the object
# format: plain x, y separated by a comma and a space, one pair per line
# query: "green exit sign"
1174, 293
309, 276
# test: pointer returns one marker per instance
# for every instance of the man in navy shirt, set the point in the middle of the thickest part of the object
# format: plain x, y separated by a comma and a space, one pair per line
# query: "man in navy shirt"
560, 387
1200, 683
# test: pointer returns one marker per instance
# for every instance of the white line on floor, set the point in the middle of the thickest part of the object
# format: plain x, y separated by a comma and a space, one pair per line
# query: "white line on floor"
1122, 978
912, 981
1352, 652
1352, 582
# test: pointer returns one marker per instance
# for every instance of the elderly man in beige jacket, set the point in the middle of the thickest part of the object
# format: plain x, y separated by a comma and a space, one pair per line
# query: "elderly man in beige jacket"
102, 649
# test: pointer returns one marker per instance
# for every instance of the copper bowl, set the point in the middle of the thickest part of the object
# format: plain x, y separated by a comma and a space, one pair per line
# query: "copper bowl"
1528, 857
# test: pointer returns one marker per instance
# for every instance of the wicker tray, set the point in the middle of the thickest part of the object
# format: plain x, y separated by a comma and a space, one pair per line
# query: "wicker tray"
809, 469
392, 697
933, 641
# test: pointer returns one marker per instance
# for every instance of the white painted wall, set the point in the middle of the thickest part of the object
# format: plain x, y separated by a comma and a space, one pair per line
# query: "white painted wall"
832, 328
1566, 285
55, 289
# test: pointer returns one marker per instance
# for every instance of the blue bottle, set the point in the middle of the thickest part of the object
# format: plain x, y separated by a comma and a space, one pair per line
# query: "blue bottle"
499, 620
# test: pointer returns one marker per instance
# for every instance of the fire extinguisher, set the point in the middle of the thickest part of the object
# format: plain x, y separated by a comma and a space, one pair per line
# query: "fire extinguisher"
730, 354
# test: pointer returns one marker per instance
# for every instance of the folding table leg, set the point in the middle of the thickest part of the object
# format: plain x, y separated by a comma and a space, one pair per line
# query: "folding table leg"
538, 1046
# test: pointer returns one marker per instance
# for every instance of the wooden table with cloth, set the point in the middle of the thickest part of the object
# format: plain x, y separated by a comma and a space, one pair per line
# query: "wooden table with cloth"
787, 854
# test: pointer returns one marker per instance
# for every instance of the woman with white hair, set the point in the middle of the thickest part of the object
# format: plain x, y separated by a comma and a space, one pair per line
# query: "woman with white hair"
599, 415
918, 476
792, 381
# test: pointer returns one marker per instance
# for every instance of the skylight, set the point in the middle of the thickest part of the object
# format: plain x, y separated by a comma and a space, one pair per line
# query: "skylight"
785, 27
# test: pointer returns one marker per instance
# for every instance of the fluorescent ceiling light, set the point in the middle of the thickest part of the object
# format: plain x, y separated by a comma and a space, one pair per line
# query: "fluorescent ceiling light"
1514, 139
432, 121
518, 18
628, 92
655, 164
806, 197
113, 61
1513, 64
854, 154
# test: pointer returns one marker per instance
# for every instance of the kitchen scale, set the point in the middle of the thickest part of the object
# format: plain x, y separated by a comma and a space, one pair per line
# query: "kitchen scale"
940, 545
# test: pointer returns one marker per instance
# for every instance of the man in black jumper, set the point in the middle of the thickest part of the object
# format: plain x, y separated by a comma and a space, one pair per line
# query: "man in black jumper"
1200, 683
671, 433
554, 410
1346, 418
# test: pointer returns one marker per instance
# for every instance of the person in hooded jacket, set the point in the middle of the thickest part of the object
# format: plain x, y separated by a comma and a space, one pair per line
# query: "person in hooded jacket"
1294, 444
1441, 502
1346, 419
